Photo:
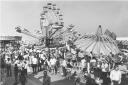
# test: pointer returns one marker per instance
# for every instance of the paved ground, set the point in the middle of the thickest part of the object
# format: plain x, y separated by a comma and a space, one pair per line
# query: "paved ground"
55, 79
36, 79
53, 76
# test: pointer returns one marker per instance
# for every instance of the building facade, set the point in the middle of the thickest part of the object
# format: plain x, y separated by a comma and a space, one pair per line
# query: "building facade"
9, 42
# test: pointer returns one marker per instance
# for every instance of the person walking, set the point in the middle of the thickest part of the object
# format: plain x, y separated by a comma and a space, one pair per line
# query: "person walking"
39, 64
22, 77
3, 64
115, 76
64, 65
34, 62
25, 67
8, 65
16, 73
46, 79
53, 63
57, 66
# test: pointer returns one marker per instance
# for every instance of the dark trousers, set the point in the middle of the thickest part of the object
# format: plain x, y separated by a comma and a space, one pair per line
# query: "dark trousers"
64, 71
25, 70
16, 77
56, 69
9, 73
34, 68
39, 67
115, 82
23, 79
22, 83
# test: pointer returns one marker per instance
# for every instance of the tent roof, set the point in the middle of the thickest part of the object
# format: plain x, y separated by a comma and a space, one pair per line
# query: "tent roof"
98, 43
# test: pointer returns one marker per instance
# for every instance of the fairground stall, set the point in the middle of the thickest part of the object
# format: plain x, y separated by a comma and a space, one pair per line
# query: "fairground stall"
9, 42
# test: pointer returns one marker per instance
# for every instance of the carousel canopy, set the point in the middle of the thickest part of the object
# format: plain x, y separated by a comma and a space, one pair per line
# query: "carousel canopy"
110, 34
98, 43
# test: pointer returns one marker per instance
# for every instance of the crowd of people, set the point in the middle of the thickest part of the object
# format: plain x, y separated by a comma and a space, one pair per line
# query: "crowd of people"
76, 66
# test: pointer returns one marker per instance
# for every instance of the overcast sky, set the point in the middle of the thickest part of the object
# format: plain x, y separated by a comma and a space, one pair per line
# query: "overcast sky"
86, 15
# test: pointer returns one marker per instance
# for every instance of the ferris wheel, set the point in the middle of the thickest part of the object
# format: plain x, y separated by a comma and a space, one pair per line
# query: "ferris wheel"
51, 19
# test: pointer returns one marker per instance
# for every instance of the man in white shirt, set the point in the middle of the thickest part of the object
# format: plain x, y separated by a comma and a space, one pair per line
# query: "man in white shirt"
6, 57
104, 67
83, 63
115, 76
34, 64
25, 65
25, 56
42, 56
93, 63
16, 56
53, 63
64, 63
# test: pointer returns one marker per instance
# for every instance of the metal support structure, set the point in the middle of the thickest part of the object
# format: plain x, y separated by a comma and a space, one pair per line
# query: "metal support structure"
53, 33
49, 18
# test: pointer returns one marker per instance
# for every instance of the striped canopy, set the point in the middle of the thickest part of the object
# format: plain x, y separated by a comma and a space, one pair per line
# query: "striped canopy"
98, 43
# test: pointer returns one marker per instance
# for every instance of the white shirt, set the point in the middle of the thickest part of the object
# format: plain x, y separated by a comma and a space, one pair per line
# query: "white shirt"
42, 56
16, 62
104, 67
64, 63
93, 61
115, 75
16, 57
6, 57
31, 59
83, 62
8, 62
26, 56
80, 55
25, 65
20, 65
49, 64
34, 60
53, 61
